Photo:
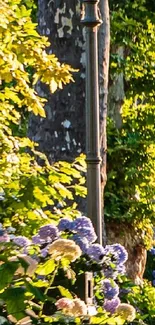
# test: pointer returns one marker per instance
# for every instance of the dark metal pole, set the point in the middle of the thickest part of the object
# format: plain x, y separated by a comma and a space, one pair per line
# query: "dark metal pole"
91, 21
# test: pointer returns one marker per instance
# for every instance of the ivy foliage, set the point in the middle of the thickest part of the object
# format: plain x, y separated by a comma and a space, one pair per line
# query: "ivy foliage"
130, 189
133, 27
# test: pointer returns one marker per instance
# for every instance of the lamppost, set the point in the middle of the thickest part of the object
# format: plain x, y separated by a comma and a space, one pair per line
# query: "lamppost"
91, 21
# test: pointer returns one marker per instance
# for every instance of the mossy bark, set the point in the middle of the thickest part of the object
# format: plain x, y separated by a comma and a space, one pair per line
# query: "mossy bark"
61, 135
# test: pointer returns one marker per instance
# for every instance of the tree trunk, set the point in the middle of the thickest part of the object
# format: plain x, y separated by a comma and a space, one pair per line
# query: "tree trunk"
104, 51
62, 134
116, 93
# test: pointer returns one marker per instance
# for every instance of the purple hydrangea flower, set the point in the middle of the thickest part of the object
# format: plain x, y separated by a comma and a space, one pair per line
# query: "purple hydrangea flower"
110, 254
65, 224
82, 222
110, 289
2, 232
111, 305
44, 251
96, 252
152, 251
82, 242
25, 250
108, 272
83, 226
117, 252
10, 230
21, 241
4, 237
113, 272
36, 240
121, 269
153, 273
122, 253
12, 236
153, 282
48, 231
89, 234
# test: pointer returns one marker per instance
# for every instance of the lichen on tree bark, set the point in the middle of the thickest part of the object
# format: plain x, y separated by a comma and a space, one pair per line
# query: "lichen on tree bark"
61, 135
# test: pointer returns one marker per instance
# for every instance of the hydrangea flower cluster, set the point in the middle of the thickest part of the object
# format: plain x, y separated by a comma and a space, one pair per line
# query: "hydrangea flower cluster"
111, 305
96, 252
126, 311
117, 255
22, 241
81, 226
48, 232
65, 224
4, 237
82, 242
111, 257
111, 292
71, 239
64, 248
46, 235
117, 252
72, 307
36, 240
110, 289
82, 232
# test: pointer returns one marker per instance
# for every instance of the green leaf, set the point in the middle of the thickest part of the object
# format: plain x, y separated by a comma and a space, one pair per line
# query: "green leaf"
116, 321
40, 284
7, 272
46, 268
35, 291
65, 292
14, 298
80, 190
99, 319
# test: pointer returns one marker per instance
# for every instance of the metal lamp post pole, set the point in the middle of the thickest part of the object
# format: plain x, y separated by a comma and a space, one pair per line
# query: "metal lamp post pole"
91, 21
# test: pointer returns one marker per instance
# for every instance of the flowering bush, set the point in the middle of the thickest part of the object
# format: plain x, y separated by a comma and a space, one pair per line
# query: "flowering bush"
39, 275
